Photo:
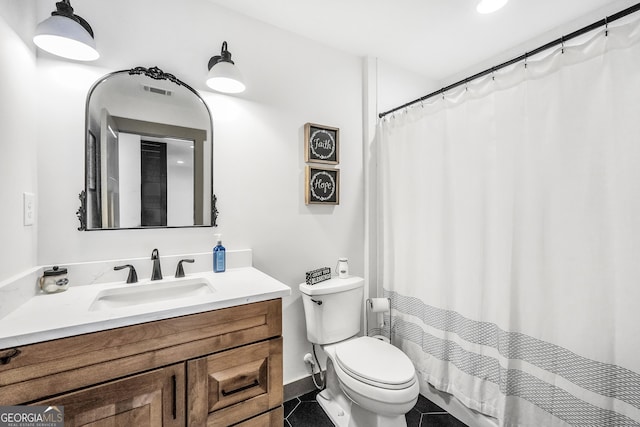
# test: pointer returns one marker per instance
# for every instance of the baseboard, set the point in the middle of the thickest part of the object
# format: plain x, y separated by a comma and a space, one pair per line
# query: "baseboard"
298, 388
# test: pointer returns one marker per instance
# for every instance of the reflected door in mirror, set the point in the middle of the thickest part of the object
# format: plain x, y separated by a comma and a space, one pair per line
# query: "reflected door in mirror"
153, 168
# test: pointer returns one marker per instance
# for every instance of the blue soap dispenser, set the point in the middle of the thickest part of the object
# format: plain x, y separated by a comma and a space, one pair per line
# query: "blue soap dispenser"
219, 261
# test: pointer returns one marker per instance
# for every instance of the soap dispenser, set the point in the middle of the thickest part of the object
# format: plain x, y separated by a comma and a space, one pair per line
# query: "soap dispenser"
219, 261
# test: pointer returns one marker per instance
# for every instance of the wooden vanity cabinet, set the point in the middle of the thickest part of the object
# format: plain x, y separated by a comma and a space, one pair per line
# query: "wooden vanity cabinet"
218, 368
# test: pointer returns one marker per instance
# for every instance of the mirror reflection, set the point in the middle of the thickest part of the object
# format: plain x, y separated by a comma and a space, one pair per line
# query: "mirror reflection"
148, 153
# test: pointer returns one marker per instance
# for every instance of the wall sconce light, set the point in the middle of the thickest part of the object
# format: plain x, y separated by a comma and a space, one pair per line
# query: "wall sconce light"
223, 75
488, 6
66, 34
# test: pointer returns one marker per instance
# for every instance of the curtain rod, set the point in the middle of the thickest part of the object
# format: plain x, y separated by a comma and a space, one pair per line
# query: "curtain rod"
561, 40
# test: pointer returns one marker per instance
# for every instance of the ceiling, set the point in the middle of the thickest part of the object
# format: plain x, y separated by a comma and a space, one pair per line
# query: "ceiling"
433, 38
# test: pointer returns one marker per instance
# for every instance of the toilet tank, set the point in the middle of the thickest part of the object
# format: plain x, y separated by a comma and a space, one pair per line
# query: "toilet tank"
333, 309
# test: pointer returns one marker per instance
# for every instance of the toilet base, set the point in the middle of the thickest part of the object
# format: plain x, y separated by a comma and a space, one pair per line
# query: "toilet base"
338, 408
344, 413
360, 417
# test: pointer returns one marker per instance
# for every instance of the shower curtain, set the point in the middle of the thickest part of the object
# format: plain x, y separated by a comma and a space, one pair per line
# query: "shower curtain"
509, 235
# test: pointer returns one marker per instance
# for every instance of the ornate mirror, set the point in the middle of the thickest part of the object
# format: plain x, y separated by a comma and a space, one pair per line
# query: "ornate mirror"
148, 154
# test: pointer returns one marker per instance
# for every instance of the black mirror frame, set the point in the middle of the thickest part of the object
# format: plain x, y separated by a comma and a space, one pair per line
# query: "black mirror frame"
156, 74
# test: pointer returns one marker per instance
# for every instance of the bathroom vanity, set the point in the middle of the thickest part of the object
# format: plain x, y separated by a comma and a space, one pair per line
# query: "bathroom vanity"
217, 366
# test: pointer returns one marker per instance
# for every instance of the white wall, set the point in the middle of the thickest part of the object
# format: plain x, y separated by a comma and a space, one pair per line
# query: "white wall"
397, 86
258, 147
18, 136
179, 183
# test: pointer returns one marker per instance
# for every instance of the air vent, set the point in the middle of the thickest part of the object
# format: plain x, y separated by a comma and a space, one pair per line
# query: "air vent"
157, 90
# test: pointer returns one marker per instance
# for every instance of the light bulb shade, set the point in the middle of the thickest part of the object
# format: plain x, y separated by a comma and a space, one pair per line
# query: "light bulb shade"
225, 77
489, 6
65, 37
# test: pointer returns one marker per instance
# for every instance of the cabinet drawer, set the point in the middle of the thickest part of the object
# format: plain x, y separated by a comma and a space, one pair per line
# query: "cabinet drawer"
39, 370
234, 385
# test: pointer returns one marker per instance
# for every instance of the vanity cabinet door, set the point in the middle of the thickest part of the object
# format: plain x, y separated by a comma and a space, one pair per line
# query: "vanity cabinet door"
235, 385
152, 399
273, 418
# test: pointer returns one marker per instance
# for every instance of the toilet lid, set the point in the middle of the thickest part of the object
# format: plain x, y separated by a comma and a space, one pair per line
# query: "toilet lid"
375, 362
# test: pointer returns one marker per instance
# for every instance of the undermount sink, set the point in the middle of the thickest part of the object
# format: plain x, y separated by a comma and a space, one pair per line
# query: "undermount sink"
151, 292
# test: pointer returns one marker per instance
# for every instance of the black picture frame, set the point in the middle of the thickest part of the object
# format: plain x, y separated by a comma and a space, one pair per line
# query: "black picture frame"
321, 144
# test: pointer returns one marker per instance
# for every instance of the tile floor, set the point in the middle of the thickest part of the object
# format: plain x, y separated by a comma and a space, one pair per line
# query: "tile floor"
304, 411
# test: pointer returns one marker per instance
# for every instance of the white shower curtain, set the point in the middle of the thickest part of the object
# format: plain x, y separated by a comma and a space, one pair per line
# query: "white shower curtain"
509, 219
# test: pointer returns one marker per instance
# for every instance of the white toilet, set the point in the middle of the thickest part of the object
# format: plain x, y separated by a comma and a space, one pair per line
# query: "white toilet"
369, 382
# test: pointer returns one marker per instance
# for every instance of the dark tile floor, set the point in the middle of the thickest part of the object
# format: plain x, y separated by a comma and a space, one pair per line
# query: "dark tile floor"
305, 411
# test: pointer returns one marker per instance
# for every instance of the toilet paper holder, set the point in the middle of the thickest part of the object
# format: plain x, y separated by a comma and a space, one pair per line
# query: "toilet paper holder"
377, 305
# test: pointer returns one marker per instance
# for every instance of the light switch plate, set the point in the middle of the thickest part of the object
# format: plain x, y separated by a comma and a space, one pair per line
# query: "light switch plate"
29, 208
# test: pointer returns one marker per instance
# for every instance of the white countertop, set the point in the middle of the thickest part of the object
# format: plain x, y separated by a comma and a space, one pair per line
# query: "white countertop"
51, 316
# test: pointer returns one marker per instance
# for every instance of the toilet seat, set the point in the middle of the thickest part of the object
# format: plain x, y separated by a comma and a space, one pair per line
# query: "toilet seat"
376, 363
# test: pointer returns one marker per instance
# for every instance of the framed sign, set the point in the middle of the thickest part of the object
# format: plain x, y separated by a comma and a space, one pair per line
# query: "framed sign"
321, 144
322, 186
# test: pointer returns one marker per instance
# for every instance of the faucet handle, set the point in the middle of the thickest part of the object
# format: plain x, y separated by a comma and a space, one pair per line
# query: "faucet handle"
179, 269
133, 276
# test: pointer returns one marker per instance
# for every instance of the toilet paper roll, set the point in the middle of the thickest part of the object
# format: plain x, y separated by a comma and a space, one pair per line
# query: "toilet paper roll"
378, 305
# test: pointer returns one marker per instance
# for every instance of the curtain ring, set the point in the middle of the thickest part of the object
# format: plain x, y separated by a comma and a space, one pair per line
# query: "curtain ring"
606, 26
526, 57
562, 43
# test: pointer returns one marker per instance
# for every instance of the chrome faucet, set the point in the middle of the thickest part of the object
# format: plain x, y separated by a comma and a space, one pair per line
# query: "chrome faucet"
156, 274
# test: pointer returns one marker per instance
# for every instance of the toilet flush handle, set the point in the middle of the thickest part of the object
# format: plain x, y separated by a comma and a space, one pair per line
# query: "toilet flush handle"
316, 301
